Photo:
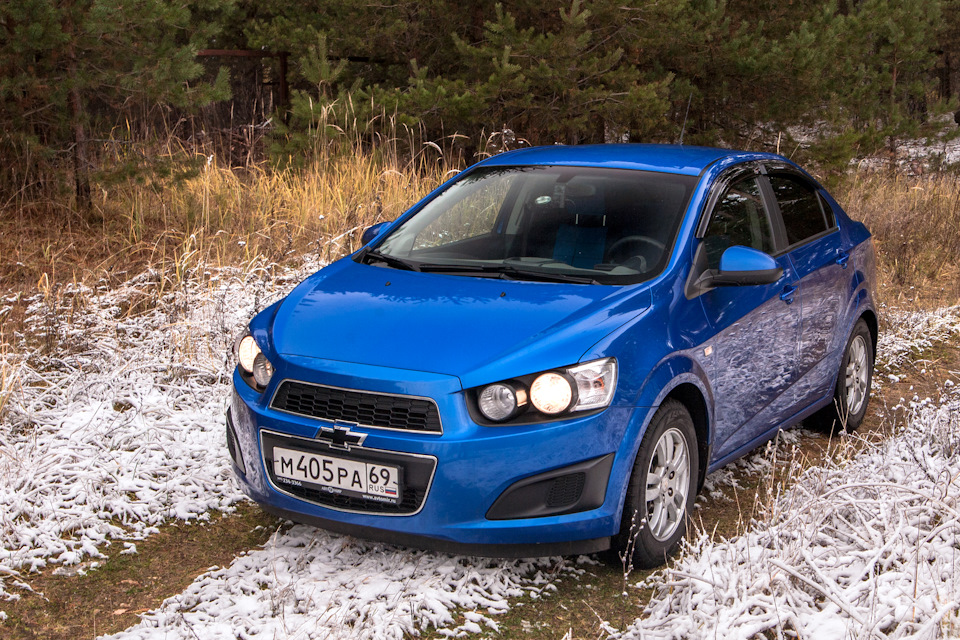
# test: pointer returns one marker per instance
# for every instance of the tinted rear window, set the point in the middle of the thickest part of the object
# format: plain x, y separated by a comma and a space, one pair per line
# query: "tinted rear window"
800, 206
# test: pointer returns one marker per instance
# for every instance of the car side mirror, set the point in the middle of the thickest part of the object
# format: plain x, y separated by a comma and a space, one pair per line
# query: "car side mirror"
743, 266
370, 233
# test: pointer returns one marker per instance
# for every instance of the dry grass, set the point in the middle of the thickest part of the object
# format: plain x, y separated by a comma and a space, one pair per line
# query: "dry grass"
916, 226
7, 377
224, 215
219, 216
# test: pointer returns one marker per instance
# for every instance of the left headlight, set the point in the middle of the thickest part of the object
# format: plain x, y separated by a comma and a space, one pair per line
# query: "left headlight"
583, 387
252, 361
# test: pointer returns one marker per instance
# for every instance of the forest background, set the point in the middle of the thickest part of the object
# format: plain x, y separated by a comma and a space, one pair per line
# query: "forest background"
110, 108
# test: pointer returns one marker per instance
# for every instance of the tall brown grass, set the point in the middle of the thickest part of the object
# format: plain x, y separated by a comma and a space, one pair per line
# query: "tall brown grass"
915, 222
225, 215
221, 215
228, 215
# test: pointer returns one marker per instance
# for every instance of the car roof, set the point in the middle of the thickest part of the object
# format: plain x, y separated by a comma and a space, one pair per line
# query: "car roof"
667, 158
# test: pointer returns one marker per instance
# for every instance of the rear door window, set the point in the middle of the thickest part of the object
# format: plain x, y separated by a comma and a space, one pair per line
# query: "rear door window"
800, 207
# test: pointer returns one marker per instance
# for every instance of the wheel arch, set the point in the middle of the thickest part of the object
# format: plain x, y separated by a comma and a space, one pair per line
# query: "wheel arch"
682, 379
678, 377
690, 397
873, 325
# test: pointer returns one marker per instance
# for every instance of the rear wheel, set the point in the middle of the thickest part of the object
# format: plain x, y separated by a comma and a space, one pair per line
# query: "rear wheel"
852, 392
661, 490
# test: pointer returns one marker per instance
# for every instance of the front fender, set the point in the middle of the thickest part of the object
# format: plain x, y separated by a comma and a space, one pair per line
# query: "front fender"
666, 378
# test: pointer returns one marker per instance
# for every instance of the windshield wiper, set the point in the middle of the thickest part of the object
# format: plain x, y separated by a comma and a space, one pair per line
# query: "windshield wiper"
453, 268
387, 259
505, 271
494, 270
516, 273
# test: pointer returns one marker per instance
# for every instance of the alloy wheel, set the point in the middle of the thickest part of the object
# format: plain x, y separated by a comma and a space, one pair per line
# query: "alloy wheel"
856, 374
668, 481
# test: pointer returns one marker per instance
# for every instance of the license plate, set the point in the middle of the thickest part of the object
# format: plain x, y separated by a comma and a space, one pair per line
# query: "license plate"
378, 482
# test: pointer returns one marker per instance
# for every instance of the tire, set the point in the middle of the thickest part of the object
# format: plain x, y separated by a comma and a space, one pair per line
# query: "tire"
650, 530
851, 395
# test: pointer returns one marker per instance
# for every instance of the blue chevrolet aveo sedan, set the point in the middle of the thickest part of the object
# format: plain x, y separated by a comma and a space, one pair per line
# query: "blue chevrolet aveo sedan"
548, 353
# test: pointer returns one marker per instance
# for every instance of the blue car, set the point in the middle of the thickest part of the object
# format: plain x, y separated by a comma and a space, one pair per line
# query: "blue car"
548, 353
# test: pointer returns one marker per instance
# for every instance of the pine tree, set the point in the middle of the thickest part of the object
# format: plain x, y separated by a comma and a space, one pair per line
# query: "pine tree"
69, 70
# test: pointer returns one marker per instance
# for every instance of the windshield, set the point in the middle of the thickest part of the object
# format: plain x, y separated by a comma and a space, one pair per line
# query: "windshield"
550, 223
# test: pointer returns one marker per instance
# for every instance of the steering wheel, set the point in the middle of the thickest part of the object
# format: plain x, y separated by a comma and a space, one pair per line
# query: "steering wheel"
646, 248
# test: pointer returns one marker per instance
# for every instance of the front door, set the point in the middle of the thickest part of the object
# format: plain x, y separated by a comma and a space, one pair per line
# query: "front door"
757, 326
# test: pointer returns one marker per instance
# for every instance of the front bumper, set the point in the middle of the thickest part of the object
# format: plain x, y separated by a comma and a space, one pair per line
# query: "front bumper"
545, 489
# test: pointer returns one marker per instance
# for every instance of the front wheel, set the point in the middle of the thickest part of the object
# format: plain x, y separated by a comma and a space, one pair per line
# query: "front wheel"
661, 490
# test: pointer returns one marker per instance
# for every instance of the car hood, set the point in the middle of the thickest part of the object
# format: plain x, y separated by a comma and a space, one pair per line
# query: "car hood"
478, 329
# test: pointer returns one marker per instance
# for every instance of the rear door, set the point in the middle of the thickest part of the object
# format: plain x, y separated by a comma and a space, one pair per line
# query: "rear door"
816, 250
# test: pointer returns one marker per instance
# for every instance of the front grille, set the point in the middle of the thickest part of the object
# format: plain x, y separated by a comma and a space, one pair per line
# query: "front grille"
360, 407
417, 474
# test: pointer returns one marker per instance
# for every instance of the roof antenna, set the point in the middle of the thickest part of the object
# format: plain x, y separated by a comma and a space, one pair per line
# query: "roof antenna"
684, 127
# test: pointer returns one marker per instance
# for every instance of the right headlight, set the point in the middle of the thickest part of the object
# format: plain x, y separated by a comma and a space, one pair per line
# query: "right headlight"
247, 352
583, 387
252, 361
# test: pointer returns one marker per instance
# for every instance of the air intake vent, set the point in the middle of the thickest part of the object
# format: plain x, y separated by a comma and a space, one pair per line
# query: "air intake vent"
566, 490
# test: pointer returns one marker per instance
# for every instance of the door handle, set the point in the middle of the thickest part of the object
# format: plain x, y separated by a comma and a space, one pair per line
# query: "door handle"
787, 294
843, 258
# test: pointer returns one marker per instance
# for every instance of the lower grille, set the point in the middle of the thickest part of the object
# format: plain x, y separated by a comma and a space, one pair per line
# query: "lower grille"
566, 490
417, 476
404, 413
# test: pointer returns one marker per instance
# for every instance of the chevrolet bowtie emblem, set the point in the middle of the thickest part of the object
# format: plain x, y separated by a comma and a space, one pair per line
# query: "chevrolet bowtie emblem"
340, 437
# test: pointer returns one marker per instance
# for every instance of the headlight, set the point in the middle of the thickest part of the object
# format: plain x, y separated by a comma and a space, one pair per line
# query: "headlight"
551, 393
500, 401
247, 352
583, 387
596, 382
252, 361
262, 370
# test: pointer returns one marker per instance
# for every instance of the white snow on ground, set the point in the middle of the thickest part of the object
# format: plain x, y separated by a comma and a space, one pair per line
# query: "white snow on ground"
920, 156
916, 156
861, 548
116, 425
907, 333
309, 584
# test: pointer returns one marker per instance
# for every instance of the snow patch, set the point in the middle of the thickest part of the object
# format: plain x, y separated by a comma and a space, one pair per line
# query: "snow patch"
115, 424
858, 549
306, 584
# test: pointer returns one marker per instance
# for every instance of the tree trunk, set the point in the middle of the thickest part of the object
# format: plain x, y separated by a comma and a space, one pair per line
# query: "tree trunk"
81, 162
